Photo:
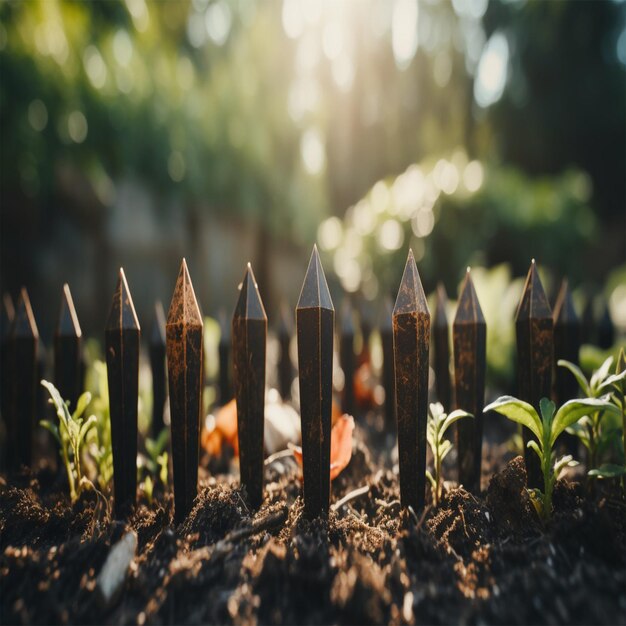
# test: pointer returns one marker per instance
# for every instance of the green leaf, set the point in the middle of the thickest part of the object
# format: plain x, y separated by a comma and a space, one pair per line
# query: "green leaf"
455, 416
48, 425
547, 408
445, 447
91, 420
600, 375
608, 470
562, 463
518, 411
580, 377
612, 380
573, 410
433, 484
533, 445
81, 404
59, 405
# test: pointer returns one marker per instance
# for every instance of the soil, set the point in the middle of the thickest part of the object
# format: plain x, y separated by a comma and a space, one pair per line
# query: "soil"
474, 559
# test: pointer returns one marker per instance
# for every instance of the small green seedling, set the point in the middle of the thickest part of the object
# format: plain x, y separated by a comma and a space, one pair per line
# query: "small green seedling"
593, 431
546, 429
155, 463
70, 435
438, 424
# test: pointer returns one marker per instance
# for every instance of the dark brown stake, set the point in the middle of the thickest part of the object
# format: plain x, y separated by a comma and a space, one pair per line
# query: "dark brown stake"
346, 355
7, 313
23, 355
122, 337
157, 365
315, 317
386, 337
67, 351
285, 367
184, 368
249, 330
411, 342
588, 325
441, 340
606, 330
470, 362
223, 349
535, 349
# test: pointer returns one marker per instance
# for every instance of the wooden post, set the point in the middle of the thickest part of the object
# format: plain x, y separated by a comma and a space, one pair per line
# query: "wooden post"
411, 342
23, 355
535, 350
68, 351
249, 332
470, 364
314, 327
386, 337
122, 336
157, 366
346, 355
441, 340
185, 369
223, 349
7, 313
285, 367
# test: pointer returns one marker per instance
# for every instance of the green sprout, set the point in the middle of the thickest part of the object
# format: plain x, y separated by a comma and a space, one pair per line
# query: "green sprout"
438, 424
546, 429
594, 430
70, 435
155, 463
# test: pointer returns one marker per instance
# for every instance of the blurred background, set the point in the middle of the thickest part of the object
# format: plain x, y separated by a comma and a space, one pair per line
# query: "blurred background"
477, 132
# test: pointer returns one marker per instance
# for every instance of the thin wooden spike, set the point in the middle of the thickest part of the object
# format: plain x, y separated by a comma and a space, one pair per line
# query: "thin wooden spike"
157, 366
7, 313
314, 328
411, 343
23, 355
67, 351
470, 364
122, 337
249, 332
185, 374
441, 344
225, 362
346, 355
535, 350
386, 336
285, 366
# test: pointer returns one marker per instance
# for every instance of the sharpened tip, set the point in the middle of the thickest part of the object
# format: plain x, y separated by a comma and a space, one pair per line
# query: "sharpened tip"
564, 311
411, 297
67, 325
249, 304
24, 324
315, 293
534, 302
122, 315
468, 309
184, 307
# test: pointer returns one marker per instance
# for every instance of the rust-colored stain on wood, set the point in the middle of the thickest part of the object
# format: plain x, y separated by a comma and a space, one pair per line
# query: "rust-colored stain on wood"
122, 338
535, 349
184, 368
314, 328
469, 340
411, 342
249, 333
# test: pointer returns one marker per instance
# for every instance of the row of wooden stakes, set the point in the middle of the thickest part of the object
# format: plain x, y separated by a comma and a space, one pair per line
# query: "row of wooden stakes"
406, 341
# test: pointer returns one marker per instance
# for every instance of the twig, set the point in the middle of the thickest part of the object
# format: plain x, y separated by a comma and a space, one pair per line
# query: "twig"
256, 527
281, 454
353, 495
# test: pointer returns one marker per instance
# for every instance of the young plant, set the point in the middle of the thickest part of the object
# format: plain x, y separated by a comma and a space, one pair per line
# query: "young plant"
155, 463
70, 435
438, 424
594, 430
546, 429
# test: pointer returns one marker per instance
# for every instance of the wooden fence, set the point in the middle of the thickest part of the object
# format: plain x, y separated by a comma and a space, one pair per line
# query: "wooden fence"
543, 337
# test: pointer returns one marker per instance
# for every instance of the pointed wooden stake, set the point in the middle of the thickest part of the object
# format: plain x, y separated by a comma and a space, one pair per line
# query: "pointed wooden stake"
184, 368
535, 350
441, 341
157, 365
68, 351
314, 327
225, 363
249, 331
285, 367
23, 355
346, 355
7, 313
411, 342
470, 363
122, 335
386, 337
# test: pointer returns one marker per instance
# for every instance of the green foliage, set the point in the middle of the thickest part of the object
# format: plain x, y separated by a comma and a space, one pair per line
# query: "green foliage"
438, 424
70, 435
598, 430
154, 465
546, 429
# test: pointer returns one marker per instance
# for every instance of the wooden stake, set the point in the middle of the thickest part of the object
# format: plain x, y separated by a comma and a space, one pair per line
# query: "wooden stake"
249, 332
535, 350
470, 364
346, 355
122, 337
411, 342
386, 337
225, 363
23, 355
157, 366
441, 340
7, 313
185, 369
285, 367
314, 327
67, 351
